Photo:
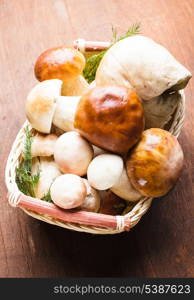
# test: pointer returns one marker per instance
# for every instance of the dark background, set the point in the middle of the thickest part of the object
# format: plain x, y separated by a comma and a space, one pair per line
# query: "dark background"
162, 244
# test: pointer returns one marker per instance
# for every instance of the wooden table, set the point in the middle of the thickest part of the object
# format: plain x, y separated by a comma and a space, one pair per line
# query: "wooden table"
162, 244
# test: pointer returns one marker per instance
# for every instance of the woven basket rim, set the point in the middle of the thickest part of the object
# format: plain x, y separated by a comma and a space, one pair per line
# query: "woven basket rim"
139, 209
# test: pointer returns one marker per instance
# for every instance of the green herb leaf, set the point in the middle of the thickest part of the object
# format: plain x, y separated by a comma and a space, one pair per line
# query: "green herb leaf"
24, 179
133, 30
93, 62
91, 66
47, 197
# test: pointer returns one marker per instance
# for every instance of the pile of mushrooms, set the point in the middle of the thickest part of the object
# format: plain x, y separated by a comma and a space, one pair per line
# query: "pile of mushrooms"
103, 146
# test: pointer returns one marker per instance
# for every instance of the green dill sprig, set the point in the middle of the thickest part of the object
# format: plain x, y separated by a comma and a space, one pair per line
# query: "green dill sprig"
91, 66
24, 179
133, 30
47, 197
93, 62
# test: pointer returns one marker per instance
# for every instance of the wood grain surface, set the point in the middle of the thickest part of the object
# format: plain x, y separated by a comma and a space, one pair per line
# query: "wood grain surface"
162, 244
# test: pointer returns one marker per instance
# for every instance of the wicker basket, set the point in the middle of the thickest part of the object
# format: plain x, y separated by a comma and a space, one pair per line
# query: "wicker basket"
79, 221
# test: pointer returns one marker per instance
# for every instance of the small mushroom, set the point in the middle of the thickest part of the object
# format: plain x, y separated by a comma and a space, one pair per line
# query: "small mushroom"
65, 112
68, 191
65, 63
154, 165
43, 145
104, 171
124, 189
73, 153
92, 200
40, 104
48, 172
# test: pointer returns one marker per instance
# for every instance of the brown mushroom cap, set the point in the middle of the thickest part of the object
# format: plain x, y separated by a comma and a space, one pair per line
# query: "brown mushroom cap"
155, 163
60, 62
110, 117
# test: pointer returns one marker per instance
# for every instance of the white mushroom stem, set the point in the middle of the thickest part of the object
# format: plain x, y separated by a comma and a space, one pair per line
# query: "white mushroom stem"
124, 189
48, 172
43, 145
75, 87
65, 112
92, 200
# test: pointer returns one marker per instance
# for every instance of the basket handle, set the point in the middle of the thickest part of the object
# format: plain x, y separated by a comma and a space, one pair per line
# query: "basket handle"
87, 46
120, 223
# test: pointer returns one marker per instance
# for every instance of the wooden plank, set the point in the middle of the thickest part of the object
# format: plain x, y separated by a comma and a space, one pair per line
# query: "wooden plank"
162, 243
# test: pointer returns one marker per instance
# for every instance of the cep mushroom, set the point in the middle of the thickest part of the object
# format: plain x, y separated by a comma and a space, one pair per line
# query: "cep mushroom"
63, 63
73, 153
124, 189
140, 63
92, 201
68, 191
48, 172
41, 104
155, 163
43, 145
104, 171
110, 117
45, 106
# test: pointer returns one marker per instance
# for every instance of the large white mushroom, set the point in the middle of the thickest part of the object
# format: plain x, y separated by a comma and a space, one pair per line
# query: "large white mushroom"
73, 153
68, 191
104, 171
124, 189
140, 63
41, 104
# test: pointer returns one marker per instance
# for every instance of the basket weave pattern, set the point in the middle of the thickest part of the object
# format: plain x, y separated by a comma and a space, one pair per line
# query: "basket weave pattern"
134, 215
